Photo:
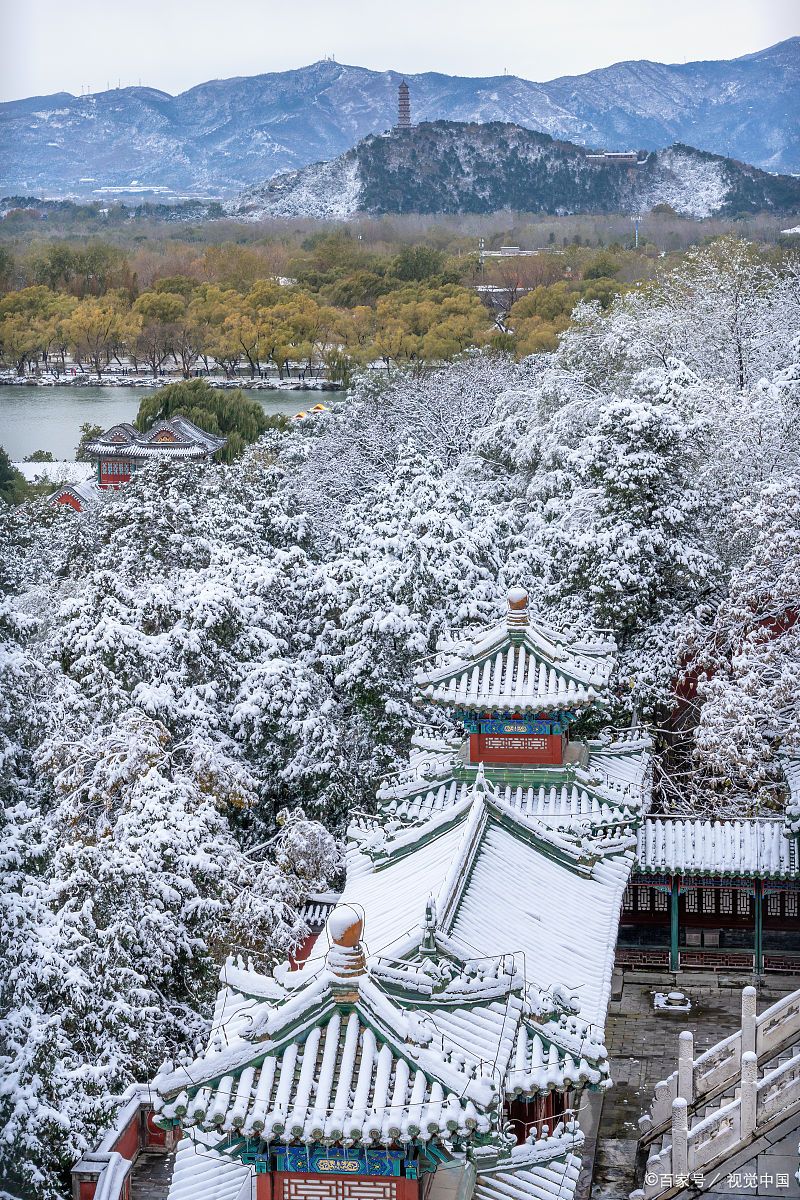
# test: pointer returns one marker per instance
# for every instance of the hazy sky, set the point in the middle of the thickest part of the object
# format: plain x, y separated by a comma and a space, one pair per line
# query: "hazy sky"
55, 45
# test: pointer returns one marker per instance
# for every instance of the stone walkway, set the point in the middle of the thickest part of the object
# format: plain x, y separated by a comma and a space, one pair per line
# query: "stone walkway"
151, 1176
643, 1048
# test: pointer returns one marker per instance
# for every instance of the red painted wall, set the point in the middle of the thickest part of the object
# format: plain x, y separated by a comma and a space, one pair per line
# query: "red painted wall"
107, 479
302, 952
154, 1135
127, 1144
527, 749
271, 1186
70, 500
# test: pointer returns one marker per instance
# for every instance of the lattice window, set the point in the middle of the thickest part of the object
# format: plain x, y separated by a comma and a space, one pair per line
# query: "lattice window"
627, 900
691, 901
774, 905
726, 901
790, 904
743, 904
310, 1187
660, 900
709, 901
643, 899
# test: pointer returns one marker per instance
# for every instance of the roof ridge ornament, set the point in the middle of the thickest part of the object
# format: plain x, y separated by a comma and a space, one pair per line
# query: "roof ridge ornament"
346, 960
517, 617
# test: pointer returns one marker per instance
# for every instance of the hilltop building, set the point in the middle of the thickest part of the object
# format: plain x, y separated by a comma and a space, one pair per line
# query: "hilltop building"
121, 450
438, 1033
622, 158
403, 107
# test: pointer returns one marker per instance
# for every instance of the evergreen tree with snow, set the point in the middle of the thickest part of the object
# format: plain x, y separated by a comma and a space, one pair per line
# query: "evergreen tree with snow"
750, 706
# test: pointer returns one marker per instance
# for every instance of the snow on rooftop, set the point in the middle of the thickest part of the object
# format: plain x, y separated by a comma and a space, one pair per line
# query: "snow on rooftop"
747, 847
555, 1180
520, 666
55, 472
569, 941
202, 1174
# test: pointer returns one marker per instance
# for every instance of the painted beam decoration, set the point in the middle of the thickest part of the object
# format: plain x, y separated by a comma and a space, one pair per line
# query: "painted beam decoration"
336, 1160
496, 723
514, 726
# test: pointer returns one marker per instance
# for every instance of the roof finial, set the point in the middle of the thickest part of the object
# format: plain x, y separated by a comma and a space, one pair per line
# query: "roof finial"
346, 959
428, 944
517, 617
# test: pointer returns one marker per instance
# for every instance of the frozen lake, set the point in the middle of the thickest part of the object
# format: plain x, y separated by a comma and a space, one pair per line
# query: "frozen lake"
49, 418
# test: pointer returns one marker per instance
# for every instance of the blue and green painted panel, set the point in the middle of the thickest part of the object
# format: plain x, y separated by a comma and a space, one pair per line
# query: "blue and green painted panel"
336, 1160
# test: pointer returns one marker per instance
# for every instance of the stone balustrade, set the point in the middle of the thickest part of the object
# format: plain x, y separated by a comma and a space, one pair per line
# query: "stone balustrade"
694, 1147
698, 1079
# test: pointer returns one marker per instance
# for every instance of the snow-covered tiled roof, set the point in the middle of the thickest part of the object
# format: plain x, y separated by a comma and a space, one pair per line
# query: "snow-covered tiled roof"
55, 472
558, 803
177, 437
611, 788
493, 874
510, 900
553, 1180
539, 1065
202, 1174
520, 666
365, 1088
338, 1057
404, 1049
86, 492
755, 847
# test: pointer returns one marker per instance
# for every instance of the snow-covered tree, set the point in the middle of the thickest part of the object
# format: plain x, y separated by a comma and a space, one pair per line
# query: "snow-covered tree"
750, 706
416, 558
628, 532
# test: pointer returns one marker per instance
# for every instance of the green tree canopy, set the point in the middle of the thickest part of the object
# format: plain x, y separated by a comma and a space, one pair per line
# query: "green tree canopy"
418, 263
88, 433
231, 414
12, 485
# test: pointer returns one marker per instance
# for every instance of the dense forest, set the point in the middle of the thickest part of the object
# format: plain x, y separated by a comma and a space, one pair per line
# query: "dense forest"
330, 303
201, 676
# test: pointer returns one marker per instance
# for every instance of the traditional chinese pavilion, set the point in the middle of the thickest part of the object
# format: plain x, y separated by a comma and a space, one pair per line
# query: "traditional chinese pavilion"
77, 495
120, 450
446, 1025
719, 895
440, 1034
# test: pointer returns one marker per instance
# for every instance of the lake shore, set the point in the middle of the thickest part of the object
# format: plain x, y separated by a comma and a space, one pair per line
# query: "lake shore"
144, 381
49, 417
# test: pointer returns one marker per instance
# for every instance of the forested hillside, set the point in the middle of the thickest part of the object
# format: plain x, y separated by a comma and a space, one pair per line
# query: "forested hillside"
455, 167
201, 677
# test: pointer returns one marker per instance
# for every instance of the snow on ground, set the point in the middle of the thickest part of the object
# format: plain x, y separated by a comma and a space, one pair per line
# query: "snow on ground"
323, 190
55, 472
691, 184
794, 229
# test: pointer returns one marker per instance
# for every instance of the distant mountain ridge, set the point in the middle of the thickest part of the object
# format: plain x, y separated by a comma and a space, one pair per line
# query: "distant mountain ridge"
455, 167
224, 135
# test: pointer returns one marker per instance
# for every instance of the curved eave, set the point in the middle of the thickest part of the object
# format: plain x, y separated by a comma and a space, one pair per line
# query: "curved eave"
163, 451
499, 701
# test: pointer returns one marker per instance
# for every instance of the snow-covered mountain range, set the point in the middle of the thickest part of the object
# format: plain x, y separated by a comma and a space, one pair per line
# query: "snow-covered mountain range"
227, 134
452, 167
